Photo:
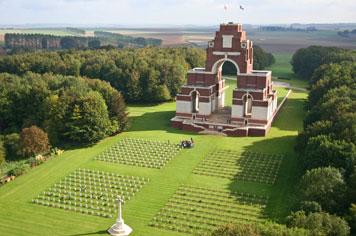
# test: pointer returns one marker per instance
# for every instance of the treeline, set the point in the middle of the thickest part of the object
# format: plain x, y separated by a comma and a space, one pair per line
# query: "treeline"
326, 146
286, 29
70, 110
76, 30
347, 33
261, 60
26, 42
142, 75
121, 41
306, 60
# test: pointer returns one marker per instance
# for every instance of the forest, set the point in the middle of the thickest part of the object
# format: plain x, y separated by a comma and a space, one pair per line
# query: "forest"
27, 42
326, 146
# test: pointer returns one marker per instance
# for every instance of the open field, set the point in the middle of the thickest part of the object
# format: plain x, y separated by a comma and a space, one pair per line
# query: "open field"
172, 190
275, 42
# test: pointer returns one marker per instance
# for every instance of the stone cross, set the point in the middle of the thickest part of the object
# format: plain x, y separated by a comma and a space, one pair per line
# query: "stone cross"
120, 228
120, 214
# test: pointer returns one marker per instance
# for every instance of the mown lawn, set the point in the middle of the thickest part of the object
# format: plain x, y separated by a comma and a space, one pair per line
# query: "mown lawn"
18, 216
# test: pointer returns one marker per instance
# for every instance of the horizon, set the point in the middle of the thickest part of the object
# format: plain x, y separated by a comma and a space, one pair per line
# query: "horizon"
201, 13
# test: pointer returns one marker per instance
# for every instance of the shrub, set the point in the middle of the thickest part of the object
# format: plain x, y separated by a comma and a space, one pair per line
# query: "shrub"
19, 168
324, 186
310, 207
2, 152
319, 223
33, 141
266, 229
12, 147
236, 230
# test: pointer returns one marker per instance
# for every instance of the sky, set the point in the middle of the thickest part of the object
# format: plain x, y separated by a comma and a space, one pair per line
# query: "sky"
175, 12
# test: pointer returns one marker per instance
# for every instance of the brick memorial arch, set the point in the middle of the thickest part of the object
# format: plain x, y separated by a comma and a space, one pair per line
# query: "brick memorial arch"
200, 103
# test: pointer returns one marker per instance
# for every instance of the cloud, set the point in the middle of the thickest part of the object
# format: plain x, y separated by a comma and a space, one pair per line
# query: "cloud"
199, 12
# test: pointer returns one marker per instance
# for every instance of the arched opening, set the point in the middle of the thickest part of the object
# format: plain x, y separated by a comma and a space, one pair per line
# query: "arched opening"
227, 77
195, 102
247, 105
229, 69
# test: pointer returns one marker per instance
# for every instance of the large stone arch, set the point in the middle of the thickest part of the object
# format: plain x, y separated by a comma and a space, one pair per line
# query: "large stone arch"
219, 63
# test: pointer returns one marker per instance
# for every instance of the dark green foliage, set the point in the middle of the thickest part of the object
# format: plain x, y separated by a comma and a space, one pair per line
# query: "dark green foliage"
69, 109
94, 44
141, 75
19, 168
325, 186
329, 135
310, 207
324, 151
261, 58
236, 230
319, 223
351, 218
121, 40
12, 146
306, 60
87, 119
70, 42
266, 229
2, 152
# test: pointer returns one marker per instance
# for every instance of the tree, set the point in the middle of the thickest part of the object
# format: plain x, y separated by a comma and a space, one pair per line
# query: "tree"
352, 218
265, 229
2, 152
236, 230
261, 58
319, 223
306, 60
322, 151
310, 207
87, 120
324, 186
94, 44
12, 146
69, 43
33, 141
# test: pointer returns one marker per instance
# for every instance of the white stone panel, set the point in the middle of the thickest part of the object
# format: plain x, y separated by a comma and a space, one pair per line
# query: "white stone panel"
205, 108
213, 104
221, 100
237, 111
260, 113
184, 107
227, 41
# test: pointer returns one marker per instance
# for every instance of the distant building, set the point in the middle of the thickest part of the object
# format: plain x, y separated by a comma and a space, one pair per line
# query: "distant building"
200, 103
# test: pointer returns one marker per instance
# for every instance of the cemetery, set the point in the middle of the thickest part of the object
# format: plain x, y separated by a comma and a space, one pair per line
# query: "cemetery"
139, 152
91, 192
195, 209
246, 166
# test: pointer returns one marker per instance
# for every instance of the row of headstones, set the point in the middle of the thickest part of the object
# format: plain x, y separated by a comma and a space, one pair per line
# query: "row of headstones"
237, 199
208, 209
227, 194
244, 177
75, 209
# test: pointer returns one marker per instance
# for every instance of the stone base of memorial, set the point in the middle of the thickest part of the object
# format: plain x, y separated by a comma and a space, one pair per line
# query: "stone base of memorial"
120, 229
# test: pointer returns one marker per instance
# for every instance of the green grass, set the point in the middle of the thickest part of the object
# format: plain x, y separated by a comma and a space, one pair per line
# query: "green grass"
282, 71
19, 216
